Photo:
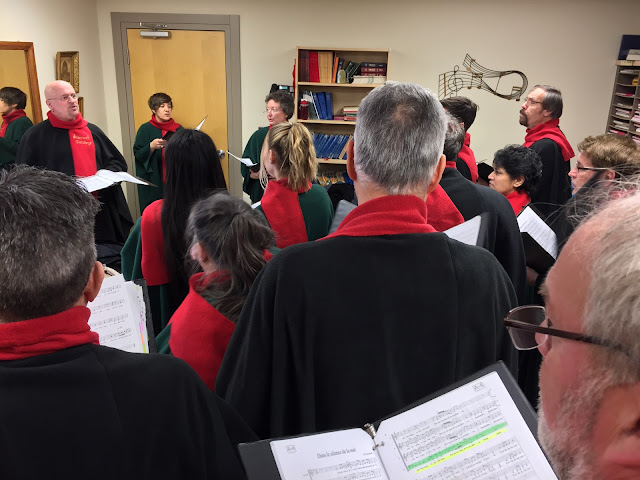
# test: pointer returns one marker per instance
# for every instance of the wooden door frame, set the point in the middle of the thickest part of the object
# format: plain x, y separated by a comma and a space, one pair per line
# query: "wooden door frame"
230, 24
32, 74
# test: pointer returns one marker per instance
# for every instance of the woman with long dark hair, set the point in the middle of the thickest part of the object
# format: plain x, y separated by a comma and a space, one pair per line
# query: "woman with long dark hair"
230, 244
156, 249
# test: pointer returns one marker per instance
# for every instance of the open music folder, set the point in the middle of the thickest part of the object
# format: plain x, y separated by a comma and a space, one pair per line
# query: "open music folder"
539, 240
482, 427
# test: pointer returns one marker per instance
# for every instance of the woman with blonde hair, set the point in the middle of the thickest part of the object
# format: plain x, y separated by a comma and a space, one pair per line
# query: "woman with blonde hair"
296, 210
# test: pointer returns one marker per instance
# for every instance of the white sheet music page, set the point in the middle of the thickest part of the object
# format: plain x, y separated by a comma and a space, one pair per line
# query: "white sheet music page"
341, 455
473, 432
114, 318
531, 223
467, 232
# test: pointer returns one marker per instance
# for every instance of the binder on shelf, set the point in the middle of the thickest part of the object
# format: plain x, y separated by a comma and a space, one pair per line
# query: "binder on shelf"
540, 241
314, 72
318, 104
329, 103
481, 422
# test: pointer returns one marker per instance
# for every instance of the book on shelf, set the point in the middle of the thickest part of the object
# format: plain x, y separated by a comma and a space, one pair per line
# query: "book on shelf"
121, 316
372, 71
340, 67
478, 425
616, 132
368, 79
373, 65
329, 103
314, 70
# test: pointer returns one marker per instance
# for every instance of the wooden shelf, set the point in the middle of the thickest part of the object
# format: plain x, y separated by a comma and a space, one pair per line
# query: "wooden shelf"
328, 122
621, 117
340, 85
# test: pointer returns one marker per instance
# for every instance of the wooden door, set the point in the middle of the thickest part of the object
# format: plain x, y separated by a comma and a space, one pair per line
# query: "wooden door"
13, 73
190, 67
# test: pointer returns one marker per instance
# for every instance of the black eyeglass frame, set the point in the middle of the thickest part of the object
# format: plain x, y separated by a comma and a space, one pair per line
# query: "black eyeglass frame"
592, 169
555, 332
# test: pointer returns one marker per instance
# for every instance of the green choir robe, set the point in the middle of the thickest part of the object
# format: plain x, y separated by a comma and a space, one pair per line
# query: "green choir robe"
9, 144
251, 186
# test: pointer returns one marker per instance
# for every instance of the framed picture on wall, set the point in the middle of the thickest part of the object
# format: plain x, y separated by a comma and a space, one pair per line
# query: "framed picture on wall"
81, 105
68, 68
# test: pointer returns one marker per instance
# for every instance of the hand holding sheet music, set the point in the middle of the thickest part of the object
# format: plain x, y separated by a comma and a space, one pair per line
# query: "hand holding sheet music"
106, 178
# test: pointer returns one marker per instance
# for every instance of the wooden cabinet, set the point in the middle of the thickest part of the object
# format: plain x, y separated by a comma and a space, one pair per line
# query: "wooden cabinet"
624, 114
342, 94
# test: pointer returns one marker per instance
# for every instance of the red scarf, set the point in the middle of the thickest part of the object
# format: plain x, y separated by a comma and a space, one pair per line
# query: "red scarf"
164, 127
467, 156
39, 336
83, 150
518, 201
552, 131
281, 206
388, 215
7, 119
154, 265
443, 213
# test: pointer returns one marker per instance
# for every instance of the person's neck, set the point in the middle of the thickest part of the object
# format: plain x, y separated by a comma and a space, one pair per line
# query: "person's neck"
366, 191
159, 120
6, 114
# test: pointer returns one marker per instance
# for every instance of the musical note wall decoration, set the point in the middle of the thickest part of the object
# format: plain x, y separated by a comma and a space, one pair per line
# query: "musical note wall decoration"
476, 76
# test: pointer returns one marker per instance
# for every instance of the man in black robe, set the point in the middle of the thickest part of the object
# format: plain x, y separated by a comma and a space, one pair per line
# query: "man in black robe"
471, 199
541, 113
70, 408
68, 144
350, 328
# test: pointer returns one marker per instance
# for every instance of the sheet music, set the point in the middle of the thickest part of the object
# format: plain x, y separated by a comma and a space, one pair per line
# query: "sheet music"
531, 223
201, 123
115, 317
246, 161
106, 178
341, 455
473, 432
467, 232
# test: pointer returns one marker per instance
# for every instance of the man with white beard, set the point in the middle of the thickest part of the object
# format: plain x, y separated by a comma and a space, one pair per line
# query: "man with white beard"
589, 336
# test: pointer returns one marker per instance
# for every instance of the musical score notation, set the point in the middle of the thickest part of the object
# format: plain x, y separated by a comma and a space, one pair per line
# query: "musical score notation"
476, 76
370, 469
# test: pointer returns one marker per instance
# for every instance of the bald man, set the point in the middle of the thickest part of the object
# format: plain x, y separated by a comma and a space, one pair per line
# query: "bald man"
67, 143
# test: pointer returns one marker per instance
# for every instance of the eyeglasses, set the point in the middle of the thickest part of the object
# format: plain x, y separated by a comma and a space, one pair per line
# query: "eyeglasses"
531, 101
65, 98
273, 110
591, 169
529, 328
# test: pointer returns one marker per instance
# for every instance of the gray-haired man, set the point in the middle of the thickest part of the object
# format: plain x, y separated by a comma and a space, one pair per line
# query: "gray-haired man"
382, 312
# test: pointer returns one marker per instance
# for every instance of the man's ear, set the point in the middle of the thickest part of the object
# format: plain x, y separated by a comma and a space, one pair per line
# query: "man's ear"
437, 174
351, 168
609, 174
95, 282
620, 442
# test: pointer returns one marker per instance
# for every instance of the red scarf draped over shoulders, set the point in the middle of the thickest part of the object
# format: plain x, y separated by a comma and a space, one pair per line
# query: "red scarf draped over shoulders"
281, 206
164, 127
443, 213
40, 336
388, 215
468, 157
7, 119
518, 201
550, 130
83, 149
154, 265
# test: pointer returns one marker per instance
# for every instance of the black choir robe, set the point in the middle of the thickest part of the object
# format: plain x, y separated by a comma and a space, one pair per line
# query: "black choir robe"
46, 146
554, 188
344, 331
505, 241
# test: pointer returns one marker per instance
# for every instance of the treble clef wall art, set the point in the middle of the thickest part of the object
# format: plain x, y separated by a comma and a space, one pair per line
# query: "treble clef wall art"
476, 76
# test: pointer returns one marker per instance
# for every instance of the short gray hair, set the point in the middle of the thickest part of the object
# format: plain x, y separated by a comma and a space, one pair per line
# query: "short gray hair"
612, 311
399, 136
454, 139
47, 249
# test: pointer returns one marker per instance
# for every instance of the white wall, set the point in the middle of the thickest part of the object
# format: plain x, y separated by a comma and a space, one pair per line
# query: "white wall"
68, 25
570, 44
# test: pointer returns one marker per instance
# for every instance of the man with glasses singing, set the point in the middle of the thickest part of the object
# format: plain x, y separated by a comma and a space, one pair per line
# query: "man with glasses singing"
67, 143
540, 113
590, 376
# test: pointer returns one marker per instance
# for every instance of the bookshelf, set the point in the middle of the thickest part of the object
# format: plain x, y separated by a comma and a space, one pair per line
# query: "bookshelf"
624, 114
342, 94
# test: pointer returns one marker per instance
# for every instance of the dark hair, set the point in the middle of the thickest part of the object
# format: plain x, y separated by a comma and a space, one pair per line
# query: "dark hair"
193, 171
518, 161
284, 99
158, 99
454, 138
13, 96
293, 146
461, 107
552, 100
234, 237
47, 249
